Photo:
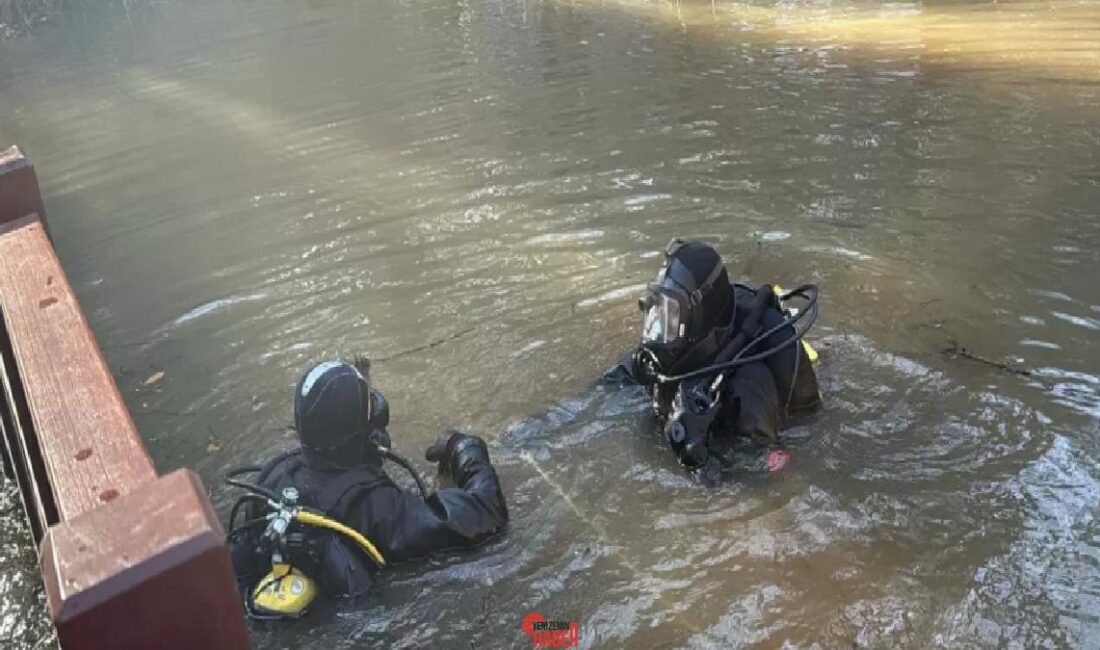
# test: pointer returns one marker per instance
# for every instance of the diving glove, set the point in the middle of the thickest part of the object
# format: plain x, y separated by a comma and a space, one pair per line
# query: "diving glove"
645, 366
456, 453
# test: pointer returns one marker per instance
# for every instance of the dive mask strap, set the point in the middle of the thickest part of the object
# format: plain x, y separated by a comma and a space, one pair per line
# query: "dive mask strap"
674, 244
697, 295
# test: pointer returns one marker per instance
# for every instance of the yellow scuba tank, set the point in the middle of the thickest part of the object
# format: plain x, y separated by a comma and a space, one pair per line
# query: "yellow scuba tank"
285, 592
810, 351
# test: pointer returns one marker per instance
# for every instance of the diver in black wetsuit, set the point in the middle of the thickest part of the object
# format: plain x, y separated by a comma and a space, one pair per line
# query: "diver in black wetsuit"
720, 360
338, 470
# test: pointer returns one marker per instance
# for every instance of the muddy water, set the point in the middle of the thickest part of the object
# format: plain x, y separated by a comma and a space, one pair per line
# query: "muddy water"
473, 192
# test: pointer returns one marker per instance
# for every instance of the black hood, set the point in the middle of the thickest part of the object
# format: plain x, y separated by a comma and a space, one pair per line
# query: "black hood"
340, 420
696, 267
695, 271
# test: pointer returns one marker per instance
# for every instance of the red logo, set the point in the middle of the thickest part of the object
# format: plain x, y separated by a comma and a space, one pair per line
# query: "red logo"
551, 634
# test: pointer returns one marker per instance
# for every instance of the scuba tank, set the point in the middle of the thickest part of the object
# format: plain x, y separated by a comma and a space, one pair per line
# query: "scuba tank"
288, 590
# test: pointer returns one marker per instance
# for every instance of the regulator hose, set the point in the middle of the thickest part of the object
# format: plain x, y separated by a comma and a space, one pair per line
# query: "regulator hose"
386, 453
253, 488
403, 462
243, 469
809, 313
242, 500
315, 519
306, 515
251, 523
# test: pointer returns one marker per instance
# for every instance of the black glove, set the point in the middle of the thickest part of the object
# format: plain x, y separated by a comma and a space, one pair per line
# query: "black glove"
695, 454
454, 452
438, 451
645, 367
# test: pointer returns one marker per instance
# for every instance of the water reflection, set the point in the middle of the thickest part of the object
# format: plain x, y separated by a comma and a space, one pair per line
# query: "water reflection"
1055, 41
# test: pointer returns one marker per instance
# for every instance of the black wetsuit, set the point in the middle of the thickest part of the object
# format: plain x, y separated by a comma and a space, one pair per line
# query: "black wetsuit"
756, 397
401, 524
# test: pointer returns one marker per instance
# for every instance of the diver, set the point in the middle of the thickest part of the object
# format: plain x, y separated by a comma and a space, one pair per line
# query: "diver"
336, 478
720, 361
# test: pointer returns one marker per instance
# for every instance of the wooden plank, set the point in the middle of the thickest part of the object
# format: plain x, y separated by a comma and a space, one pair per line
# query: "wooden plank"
148, 570
21, 445
19, 195
89, 444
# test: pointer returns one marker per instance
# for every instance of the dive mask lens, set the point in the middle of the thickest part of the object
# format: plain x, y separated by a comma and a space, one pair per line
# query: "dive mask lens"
662, 322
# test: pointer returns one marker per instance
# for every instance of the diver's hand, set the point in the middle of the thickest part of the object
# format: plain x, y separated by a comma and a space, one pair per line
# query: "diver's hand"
455, 452
644, 367
438, 451
695, 454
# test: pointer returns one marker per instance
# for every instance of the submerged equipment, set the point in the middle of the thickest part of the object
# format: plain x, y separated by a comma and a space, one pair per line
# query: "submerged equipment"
285, 592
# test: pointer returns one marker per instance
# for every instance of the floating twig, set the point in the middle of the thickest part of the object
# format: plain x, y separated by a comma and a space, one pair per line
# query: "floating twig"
427, 346
955, 350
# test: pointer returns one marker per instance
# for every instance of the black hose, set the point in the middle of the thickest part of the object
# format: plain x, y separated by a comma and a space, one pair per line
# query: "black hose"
810, 312
400, 460
246, 525
243, 499
253, 488
243, 469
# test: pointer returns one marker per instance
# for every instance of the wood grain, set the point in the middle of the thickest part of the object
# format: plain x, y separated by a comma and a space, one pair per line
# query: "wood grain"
91, 448
149, 570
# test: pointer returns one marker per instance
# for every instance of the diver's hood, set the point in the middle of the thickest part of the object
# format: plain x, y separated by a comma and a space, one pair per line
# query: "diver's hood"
340, 419
688, 309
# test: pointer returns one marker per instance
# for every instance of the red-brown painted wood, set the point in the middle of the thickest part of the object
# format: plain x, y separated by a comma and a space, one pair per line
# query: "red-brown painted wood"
19, 195
148, 570
91, 448
128, 560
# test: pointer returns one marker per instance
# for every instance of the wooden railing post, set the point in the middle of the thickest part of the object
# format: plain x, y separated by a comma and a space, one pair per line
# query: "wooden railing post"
129, 560
19, 193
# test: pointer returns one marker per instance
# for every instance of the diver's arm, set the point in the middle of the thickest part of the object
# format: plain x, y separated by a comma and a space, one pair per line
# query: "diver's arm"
637, 368
752, 403
405, 526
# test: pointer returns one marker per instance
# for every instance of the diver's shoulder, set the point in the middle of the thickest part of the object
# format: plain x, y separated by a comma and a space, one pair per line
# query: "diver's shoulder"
743, 293
744, 288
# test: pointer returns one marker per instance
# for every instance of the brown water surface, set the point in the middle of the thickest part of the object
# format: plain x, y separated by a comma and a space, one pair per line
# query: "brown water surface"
240, 189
